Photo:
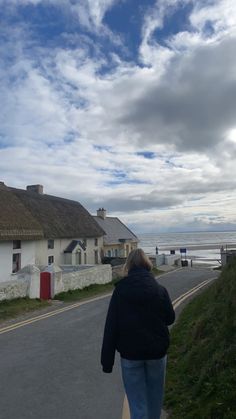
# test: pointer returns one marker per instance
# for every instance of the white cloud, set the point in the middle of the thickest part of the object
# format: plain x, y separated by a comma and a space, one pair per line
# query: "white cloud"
57, 105
221, 15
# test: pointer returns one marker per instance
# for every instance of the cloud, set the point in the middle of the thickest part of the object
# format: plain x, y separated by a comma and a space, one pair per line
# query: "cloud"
153, 143
193, 105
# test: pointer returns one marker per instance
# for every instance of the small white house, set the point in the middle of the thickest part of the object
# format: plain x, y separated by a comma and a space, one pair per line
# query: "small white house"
40, 229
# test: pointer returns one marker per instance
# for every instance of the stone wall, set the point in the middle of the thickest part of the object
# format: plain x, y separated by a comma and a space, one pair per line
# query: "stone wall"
65, 281
28, 281
117, 271
17, 288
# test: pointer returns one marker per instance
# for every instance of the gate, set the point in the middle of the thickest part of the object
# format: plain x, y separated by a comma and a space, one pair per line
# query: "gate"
45, 286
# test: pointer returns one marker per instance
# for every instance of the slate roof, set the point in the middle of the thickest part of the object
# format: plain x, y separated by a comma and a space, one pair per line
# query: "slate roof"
29, 215
116, 231
73, 245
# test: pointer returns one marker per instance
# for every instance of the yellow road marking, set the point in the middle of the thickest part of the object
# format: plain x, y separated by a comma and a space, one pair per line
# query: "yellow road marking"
47, 315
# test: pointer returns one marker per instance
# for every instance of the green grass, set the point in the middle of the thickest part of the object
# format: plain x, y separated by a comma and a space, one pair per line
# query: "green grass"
201, 376
157, 271
12, 308
87, 292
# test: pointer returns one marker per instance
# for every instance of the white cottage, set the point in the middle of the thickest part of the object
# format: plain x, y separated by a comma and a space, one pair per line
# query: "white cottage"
41, 229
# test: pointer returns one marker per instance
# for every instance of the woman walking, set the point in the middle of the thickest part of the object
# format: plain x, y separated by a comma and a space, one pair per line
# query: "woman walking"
136, 326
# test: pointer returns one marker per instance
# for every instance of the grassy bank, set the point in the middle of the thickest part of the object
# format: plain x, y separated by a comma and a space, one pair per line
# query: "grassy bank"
13, 308
201, 377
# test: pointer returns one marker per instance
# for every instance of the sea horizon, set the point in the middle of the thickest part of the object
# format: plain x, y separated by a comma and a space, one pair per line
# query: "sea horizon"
202, 245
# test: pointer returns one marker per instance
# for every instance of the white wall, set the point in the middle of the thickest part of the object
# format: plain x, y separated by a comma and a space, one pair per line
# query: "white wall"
27, 283
90, 250
6, 251
16, 288
42, 251
65, 281
27, 252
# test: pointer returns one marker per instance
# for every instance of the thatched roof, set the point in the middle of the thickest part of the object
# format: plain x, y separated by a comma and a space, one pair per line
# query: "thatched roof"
16, 222
27, 215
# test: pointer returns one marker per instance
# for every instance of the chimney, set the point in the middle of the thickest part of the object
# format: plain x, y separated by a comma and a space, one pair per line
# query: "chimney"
101, 212
35, 188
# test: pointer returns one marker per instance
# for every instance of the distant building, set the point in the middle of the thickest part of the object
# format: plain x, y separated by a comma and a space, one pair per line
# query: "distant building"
227, 256
119, 240
41, 229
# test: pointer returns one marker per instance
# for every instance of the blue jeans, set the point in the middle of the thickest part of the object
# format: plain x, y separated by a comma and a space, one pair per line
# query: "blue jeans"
144, 386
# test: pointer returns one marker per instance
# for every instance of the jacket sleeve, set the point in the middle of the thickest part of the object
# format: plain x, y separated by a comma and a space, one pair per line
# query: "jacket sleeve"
168, 310
109, 337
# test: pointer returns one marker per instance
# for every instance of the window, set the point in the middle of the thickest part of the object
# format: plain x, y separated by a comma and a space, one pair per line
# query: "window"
16, 258
50, 244
85, 258
96, 256
16, 244
50, 260
95, 242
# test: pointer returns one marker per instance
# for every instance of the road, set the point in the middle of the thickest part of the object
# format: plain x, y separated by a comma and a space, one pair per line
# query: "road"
50, 369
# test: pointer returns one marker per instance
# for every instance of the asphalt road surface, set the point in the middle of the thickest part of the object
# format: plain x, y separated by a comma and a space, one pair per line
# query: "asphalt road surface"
51, 369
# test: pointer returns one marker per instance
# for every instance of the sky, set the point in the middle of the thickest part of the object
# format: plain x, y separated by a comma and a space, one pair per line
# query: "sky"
128, 105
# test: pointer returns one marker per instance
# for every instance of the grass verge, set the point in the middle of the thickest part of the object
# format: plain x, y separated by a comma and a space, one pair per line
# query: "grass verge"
87, 292
201, 376
156, 271
13, 308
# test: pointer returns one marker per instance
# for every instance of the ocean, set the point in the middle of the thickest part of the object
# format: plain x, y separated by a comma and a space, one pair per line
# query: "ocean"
201, 246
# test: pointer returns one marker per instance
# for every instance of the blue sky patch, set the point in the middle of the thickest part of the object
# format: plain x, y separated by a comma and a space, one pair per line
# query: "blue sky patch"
126, 19
147, 154
175, 22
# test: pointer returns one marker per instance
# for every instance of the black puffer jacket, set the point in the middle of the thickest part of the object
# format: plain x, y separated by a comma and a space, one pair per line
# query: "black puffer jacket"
136, 325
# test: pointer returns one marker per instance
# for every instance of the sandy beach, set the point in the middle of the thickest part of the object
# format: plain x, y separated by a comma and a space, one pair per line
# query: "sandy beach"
197, 247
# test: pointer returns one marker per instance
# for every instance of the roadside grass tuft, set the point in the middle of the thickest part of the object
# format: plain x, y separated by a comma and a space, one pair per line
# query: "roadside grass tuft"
87, 292
12, 308
156, 271
201, 375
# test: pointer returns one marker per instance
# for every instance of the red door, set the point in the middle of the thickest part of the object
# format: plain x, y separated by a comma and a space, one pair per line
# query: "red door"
45, 285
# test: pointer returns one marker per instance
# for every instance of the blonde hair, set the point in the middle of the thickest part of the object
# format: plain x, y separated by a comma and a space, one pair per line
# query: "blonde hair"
137, 259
